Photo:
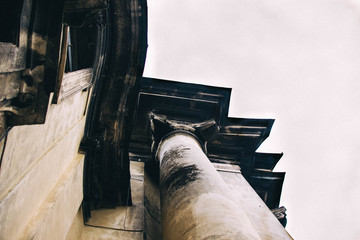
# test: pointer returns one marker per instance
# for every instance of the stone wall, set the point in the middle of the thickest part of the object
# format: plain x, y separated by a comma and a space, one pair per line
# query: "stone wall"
41, 175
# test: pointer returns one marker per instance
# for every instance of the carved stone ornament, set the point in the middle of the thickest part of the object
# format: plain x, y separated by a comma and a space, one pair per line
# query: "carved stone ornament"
161, 128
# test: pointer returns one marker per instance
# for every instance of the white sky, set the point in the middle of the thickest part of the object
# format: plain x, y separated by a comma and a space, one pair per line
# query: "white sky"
295, 61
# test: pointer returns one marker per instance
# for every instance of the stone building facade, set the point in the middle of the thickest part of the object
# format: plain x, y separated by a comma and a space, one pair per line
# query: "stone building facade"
82, 133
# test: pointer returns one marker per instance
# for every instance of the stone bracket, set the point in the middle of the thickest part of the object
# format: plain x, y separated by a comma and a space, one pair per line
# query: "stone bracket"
280, 214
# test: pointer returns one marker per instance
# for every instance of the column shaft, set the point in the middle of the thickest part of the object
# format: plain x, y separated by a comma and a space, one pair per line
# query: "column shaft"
195, 201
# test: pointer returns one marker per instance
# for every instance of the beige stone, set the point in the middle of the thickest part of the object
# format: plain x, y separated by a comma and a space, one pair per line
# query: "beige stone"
29, 193
57, 213
201, 207
126, 217
209, 204
263, 220
124, 222
96, 233
27, 144
36, 160
77, 227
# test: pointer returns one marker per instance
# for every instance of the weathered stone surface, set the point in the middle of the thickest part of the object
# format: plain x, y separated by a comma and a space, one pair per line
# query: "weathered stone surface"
115, 106
152, 209
77, 227
121, 219
94, 233
35, 140
265, 223
10, 84
55, 217
137, 170
196, 204
110, 218
35, 159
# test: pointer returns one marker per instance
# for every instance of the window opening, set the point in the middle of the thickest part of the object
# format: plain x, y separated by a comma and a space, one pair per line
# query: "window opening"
10, 16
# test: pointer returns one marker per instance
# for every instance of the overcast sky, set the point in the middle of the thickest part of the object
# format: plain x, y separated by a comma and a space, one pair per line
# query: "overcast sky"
295, 61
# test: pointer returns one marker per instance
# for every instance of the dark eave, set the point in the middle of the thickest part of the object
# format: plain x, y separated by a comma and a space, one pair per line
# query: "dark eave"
268, 185
266, 161
196, 103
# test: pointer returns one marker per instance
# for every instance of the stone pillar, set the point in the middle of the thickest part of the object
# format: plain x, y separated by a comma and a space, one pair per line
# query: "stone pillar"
195, 201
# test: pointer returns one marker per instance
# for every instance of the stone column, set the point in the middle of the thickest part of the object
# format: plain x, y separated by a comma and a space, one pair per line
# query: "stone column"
195, 201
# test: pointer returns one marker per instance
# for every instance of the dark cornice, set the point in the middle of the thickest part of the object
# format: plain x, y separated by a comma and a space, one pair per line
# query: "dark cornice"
235, 143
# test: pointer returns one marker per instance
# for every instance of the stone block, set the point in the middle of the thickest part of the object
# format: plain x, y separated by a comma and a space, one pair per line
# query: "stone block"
265, 223
96, 233
28, 144
20, 203
77, 227
56, 215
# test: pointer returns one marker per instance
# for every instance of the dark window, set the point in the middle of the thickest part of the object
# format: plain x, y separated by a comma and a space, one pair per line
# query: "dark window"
10, 15
81, 47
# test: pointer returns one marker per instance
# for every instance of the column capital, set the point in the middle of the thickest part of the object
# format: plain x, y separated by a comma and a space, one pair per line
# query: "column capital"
161, 127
